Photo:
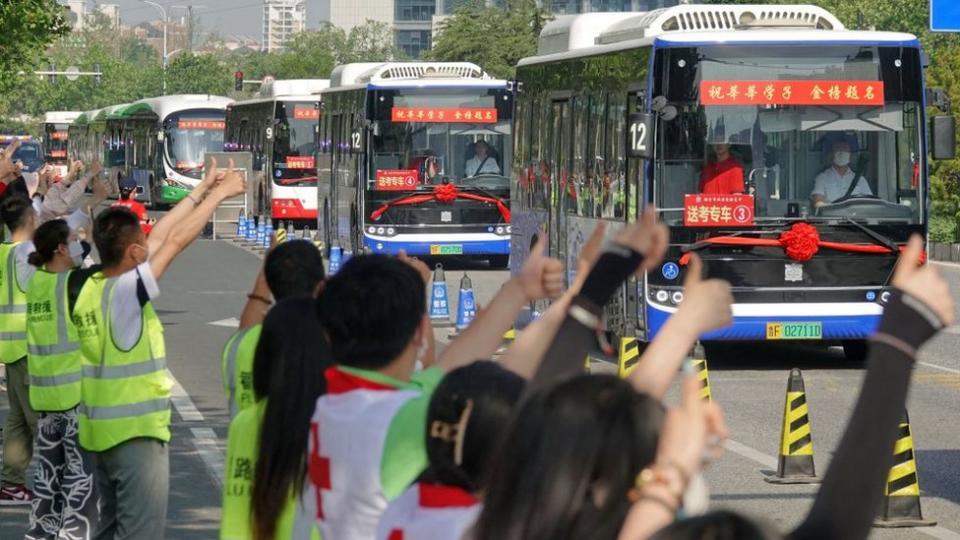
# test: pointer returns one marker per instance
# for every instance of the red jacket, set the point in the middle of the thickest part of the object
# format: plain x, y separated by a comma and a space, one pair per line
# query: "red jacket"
139, 210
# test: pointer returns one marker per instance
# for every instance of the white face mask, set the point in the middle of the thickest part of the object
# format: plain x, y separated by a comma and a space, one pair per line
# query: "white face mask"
76, 252
841, 159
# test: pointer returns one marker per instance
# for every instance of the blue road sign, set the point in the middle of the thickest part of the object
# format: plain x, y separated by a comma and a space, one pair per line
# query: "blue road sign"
945, 15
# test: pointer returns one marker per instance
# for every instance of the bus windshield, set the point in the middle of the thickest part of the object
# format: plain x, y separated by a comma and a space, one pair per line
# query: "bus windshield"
425, 137
56, 141
189, 136
295, 141
832, 133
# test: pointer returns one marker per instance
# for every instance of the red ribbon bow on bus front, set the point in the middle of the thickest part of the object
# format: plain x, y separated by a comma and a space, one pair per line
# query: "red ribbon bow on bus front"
800, 242
444, 193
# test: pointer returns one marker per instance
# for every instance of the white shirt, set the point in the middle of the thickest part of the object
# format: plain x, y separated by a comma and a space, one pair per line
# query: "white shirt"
831, 186
24, 269
489, 167
127, 304
410, 517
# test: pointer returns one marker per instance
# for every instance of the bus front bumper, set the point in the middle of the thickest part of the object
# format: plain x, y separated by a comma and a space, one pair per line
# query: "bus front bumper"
838, 320
439, 244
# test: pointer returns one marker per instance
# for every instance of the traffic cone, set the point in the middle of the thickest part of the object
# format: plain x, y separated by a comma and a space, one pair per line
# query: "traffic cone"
439, 300
795, 465
315, 238
267, 236
251, 231
261, 230
335, 260
291, 232
241, 225
629, 355
466, 305
901, 501
700, 364
281, 233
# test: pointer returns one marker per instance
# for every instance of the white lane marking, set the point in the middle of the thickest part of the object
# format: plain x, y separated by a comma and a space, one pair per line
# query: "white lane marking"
941, 368
955, 329
181, 401
232, 322
205, 441
771, 463
751, 454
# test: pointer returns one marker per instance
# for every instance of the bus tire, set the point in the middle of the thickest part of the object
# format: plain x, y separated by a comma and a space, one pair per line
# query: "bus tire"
855, 350
499, 261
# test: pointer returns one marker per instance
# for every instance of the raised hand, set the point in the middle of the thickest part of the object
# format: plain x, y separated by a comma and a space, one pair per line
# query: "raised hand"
923, 282
706, 303
230, 182
418, 265
647, 237
541, 276
7, 166
95, 168
588, 256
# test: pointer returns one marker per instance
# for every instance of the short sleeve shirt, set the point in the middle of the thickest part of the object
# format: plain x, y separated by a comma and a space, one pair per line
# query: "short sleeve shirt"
722, 178
832, 186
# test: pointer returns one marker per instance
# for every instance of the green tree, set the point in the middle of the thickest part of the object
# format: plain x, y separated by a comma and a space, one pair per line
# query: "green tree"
28, 26
190, 73
493, 38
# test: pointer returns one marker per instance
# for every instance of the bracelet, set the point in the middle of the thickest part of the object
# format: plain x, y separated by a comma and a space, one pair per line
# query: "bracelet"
264, 299
670, 508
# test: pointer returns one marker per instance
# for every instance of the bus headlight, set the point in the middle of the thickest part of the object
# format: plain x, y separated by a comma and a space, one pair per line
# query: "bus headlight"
371, 230
499, 230
509, 230
381, 230
391, 231
662, 296
884, 297
676, 297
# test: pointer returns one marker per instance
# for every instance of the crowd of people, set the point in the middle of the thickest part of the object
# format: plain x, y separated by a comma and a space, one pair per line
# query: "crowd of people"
348, 423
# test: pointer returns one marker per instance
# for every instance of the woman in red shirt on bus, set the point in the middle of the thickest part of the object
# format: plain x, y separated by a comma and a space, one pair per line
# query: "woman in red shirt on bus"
723, 175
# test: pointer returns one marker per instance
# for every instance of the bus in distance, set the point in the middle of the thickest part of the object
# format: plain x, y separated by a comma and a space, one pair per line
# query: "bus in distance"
412, 157
279, 127
793, 162
56, 125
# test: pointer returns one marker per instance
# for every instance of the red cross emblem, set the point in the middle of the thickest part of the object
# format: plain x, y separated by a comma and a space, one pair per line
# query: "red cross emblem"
319, 468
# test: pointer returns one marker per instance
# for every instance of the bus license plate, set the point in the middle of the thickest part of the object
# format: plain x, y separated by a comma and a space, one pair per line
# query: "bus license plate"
446, 249
794, 330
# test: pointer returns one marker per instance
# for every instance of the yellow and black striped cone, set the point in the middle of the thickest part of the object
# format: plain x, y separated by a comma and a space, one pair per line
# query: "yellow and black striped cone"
795, 465
281, 234
700, 364
901, 501
508, 338
629, 355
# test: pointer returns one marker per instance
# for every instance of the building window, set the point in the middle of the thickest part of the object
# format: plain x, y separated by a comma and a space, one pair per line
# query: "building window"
414, 10
413, 42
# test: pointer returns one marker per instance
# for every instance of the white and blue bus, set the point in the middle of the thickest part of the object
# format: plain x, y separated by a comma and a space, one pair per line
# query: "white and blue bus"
789, 152
413, 156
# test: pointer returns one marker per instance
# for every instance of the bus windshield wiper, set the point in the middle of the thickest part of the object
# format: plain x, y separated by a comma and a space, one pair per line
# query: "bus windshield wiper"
874, 235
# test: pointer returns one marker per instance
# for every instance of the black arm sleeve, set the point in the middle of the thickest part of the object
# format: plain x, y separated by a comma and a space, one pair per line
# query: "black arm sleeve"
75, 284
569, 348
853, 486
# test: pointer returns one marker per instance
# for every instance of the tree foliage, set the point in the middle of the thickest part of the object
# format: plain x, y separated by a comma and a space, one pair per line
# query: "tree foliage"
190, 73
26, 27
493, 38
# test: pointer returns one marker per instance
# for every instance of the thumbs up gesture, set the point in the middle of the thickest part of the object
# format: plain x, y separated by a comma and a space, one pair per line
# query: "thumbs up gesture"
706, 302
923, 282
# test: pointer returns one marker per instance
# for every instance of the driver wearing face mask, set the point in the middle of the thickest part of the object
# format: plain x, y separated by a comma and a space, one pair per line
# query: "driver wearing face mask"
833, 184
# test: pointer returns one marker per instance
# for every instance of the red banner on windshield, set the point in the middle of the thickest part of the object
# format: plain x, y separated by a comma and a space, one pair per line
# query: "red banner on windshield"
301, 162
306, 113
717, 210
396, 179
475, 115
791, 92
201, 124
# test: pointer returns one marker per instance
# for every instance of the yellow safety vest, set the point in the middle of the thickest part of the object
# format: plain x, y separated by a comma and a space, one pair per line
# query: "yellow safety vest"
125, 393
53, 346
243, 441
237, 368
13, 308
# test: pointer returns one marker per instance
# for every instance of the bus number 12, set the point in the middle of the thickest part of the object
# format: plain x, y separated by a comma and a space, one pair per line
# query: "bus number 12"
641, 124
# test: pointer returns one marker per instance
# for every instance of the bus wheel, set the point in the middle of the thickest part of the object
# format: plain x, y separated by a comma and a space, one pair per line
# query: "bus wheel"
499, 261
855, 350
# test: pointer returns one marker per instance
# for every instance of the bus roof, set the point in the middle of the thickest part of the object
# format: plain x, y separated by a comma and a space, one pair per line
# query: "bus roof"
60, 117
291, 87
571, 36
409, 74
164, 106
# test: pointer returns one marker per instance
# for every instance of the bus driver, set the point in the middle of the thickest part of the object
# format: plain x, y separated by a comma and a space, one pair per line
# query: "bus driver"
482, 162
833, 184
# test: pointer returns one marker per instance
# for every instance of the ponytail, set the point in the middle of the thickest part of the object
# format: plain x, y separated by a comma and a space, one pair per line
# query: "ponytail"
47, 240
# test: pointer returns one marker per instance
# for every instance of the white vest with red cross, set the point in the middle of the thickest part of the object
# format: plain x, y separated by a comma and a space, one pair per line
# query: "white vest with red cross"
429, 512
347, 435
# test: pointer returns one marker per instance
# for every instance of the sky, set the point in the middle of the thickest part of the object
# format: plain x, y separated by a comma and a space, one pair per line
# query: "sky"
224, 16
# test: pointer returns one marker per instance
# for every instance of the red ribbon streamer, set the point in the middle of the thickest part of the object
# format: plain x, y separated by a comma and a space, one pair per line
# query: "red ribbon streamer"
445, 193
801, 242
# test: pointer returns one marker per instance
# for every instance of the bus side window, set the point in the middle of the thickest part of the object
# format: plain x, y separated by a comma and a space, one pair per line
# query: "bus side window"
614, 181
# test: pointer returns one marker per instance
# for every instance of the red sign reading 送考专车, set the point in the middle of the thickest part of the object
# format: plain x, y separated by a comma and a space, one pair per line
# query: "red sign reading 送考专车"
791, 92
473, 115
306, 113
396, 179
301, 162
717, 210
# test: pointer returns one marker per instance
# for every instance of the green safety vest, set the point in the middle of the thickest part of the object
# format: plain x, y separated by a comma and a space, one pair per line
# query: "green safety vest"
125, 394
243, 441
237, 368
13, 308
53, 346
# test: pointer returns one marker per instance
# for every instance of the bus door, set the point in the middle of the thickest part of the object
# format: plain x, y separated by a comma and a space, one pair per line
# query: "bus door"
639, 139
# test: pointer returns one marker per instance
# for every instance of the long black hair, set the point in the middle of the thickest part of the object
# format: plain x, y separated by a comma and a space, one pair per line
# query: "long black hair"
719, 525
568, 461
288, 367
47, 239
478, 399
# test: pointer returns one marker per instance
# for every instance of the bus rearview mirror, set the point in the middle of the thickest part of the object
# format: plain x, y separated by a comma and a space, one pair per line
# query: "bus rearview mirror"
943, 137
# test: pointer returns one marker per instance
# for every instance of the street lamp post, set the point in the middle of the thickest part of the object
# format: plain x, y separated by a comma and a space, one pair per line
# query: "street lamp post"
163, 13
